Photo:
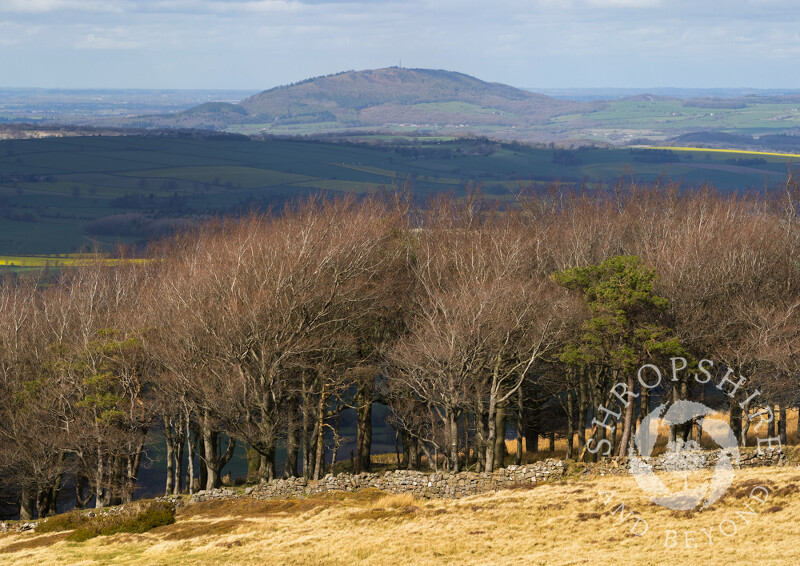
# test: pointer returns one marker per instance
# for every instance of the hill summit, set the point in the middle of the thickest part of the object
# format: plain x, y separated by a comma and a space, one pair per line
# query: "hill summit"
390, 99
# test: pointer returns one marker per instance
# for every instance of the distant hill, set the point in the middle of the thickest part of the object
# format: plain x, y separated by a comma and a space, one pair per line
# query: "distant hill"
394, 101
391, 99
647, 97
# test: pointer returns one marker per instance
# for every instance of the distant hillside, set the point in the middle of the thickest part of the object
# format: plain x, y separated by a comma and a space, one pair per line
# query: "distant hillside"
400, 102
392, 99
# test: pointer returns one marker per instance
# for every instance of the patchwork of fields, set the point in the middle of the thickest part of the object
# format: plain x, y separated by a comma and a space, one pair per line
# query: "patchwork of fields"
63, 195
615, 121
658, 119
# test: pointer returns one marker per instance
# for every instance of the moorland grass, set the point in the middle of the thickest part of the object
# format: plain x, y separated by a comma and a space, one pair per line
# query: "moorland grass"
575, 521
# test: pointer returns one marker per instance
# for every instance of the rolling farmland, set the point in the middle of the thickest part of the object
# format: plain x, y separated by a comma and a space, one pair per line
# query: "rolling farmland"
64, 195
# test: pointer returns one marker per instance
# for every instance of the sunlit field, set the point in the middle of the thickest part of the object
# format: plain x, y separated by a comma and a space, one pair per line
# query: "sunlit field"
576, 521
731, 151
54, 260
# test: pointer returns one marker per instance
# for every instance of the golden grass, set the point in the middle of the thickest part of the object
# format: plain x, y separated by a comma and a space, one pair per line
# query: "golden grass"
578, 521
561, 442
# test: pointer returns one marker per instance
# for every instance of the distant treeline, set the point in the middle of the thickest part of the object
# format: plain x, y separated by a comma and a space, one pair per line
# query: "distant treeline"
776, 142
732, 103
655, 155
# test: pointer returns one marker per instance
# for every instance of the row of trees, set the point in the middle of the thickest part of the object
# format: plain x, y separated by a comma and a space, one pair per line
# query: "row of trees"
463, 317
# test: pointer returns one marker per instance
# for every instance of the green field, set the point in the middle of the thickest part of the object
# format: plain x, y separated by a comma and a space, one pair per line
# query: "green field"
660, 119
62, 195
615, 122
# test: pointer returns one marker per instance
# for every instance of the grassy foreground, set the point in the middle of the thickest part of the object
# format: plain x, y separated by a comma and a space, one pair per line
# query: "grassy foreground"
576, 521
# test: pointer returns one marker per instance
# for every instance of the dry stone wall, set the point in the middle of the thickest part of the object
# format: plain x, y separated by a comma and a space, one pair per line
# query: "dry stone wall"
421, 484
676, 461
450, 485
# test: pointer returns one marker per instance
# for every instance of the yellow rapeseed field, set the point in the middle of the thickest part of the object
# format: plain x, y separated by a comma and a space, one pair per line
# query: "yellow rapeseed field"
64, 260
673, 148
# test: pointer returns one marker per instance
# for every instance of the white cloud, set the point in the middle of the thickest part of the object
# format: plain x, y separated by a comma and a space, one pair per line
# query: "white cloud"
626, 3
263, 43
12, 33
46, 6
105, 41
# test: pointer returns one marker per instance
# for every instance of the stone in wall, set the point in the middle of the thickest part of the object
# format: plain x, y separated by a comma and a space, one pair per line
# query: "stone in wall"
447, 485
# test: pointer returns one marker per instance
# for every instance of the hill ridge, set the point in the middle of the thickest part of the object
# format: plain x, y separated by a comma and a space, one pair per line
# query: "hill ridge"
388, 98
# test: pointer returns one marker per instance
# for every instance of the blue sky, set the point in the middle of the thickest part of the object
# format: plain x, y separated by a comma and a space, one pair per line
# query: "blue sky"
258, 44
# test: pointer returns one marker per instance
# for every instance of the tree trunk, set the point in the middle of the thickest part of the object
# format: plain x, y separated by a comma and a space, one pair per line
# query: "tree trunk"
266, 469
190, 444
81, 499
209, 455
735, 412
491, 436
519, 425
201, 462
500, 438
782, 424
319, 460
673, 430
797, 435
465, 419
396, 449
170, 456
214, 461
686, 428
410, 450
644, 405
433, 461
179, 449
570, 426
531, 439
307, 426
414, 459
745, 431
27, 504
292, 441
99, 479
627, 428
364, 429
43, 503
253, 465
771, 424
583, 408
55, 489
453, 459
479, 440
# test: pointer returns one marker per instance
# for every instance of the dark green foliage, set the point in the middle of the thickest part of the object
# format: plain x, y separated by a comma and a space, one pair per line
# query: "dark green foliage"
155, 515
654, 155
566, 157
64, 522
626, 324
84, 527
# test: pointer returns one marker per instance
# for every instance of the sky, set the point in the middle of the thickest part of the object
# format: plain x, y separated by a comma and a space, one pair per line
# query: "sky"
259, 44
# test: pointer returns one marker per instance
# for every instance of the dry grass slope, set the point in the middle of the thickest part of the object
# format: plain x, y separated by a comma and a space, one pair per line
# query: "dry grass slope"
578, 521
